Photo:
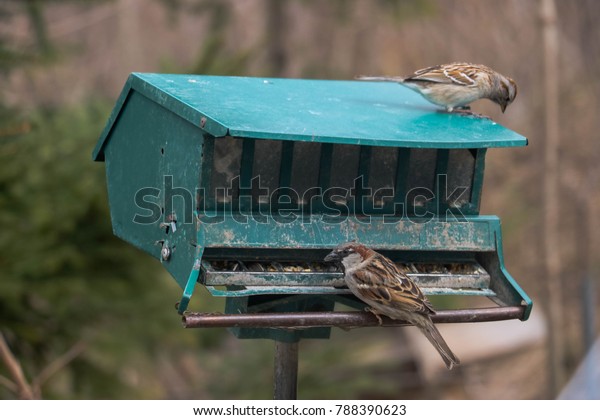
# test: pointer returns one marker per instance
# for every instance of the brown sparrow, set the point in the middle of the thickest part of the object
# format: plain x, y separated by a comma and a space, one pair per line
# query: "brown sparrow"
456, 85
378, 282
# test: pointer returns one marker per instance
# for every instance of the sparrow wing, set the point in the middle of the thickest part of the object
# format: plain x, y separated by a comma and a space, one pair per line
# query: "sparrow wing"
383, 282
460, 74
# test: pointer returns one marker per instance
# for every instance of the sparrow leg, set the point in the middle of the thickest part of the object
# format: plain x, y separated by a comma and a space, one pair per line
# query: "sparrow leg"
374, 312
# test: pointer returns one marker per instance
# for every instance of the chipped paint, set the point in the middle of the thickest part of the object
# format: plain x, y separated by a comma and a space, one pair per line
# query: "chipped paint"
228, 235
475, 234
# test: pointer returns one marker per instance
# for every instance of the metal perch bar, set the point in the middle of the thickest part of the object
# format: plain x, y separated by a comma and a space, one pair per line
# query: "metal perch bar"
340, 319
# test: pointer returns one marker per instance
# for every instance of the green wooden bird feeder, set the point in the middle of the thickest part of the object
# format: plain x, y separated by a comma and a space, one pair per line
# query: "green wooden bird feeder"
243, 185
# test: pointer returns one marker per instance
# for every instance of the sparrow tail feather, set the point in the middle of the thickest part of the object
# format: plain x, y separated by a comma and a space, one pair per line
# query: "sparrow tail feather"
381, 79
433, 335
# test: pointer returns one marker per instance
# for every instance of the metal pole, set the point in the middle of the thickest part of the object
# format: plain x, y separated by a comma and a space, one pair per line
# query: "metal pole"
286, 371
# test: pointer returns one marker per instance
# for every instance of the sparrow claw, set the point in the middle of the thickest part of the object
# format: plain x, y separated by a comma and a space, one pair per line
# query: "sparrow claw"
374, 312
466, 111
476, 115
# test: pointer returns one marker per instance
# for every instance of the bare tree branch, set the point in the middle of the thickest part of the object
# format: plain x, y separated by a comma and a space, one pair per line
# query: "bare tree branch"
14, 367
551, 196
7, 383
56, 365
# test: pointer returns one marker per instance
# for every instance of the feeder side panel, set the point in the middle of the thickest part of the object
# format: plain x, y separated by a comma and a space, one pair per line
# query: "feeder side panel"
153, 165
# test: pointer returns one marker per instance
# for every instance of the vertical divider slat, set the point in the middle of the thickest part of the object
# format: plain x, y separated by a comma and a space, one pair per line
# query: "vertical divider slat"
441, 174
206, 199
246, 171
478, 178
401, 184
364, 169
325, 171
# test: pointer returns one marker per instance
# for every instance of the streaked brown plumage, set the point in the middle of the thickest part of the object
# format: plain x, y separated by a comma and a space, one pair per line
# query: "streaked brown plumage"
456, 85
378, 282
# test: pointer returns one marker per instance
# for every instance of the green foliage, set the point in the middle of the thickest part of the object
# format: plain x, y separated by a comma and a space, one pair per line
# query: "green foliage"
65, 277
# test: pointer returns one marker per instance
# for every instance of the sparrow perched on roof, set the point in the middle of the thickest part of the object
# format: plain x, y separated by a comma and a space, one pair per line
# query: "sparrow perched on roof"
378, 282
456, 85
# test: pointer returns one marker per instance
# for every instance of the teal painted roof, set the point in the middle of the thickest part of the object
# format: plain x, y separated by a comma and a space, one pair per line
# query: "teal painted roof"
355, 112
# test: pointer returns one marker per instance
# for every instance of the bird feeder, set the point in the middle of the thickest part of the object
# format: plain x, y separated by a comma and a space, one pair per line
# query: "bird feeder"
242, 185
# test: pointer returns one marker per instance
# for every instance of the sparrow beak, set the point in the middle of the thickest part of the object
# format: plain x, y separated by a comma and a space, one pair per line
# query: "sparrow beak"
332, 256
503, 107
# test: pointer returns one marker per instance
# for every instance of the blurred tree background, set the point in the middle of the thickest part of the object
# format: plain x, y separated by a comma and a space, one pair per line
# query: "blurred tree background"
87, 316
